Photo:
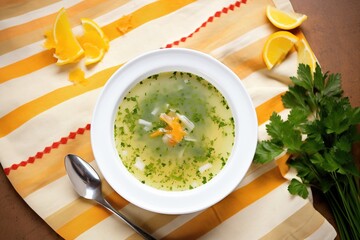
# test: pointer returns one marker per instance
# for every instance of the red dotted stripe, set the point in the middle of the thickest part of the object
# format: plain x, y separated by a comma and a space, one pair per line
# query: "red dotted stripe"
218, 14
73, 135
47, 149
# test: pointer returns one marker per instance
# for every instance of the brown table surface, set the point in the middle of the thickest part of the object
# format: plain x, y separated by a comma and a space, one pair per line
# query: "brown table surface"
333, 31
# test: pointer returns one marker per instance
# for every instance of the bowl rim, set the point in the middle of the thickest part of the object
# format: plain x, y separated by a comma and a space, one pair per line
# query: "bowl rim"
173, 202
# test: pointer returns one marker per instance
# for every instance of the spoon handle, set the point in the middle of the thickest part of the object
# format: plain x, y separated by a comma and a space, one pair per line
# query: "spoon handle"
139, 230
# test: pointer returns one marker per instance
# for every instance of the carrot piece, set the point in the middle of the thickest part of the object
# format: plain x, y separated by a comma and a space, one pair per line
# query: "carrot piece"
174, 130
157, 133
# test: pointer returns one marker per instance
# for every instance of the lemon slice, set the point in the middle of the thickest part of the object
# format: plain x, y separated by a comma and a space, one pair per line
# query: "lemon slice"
305, 54
67, 48
277, 46
284, 20
94, 41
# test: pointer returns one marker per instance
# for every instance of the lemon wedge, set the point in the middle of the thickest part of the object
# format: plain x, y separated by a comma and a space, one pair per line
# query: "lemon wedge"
277, 46
94, 41
67, 48
305, 54
284, 20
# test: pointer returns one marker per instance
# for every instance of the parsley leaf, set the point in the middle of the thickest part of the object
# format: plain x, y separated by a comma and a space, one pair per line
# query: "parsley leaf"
266, 151
298, 188
319, 133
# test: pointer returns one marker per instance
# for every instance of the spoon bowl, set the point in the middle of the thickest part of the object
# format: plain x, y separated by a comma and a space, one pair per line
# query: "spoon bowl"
87, 184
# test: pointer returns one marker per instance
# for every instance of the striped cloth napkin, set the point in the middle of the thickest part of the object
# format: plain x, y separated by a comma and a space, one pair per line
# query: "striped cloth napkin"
44, 116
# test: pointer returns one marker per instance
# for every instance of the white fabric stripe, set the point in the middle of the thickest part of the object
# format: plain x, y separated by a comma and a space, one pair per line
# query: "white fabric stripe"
174, 224
109, 228
38, 13
157, 34
245, 224
47, 128
243, 41
325, 231
121, 11
39, 82
284, 5
34, 48
113, 226
253, 175
47, 200
264, 84
21, 53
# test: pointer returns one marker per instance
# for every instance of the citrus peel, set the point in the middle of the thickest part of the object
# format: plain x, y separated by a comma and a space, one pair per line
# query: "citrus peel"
277, 46
283, 19
77, 76
94, 42
305, 54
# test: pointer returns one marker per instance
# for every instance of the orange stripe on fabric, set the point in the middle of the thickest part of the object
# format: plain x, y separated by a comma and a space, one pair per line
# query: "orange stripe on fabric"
14, 8
46, 20
27, 65
50, 167
265, 110
89, 218
232, 204
139, 17
22, 114
21, 35
281, 163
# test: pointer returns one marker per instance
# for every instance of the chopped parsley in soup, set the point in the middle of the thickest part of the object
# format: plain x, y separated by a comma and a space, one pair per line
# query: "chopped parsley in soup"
174, 131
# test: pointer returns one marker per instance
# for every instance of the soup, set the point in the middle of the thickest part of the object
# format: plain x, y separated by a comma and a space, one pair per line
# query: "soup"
174, 131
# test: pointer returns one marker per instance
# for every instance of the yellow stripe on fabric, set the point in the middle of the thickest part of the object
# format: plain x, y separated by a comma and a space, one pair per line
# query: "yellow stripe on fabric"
232, 204
10, 9
139, 17
300, 225
265, 110
20, 115
23, 34
281, 163
89, 218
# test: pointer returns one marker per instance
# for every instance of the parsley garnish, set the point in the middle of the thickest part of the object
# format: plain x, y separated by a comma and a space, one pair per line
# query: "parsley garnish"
319, 133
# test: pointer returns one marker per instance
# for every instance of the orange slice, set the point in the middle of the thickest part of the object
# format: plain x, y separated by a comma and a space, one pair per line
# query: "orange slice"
94, 41
277, 46
284, 20
67, 48
305, 54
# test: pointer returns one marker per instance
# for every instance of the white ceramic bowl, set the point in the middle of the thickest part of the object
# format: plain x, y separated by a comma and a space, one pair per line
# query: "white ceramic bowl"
173, 202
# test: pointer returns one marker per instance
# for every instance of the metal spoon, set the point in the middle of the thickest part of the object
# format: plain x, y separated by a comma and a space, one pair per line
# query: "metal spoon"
87, 184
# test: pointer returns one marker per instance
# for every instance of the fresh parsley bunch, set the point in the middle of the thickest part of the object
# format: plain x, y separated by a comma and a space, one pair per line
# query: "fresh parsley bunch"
319, 133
